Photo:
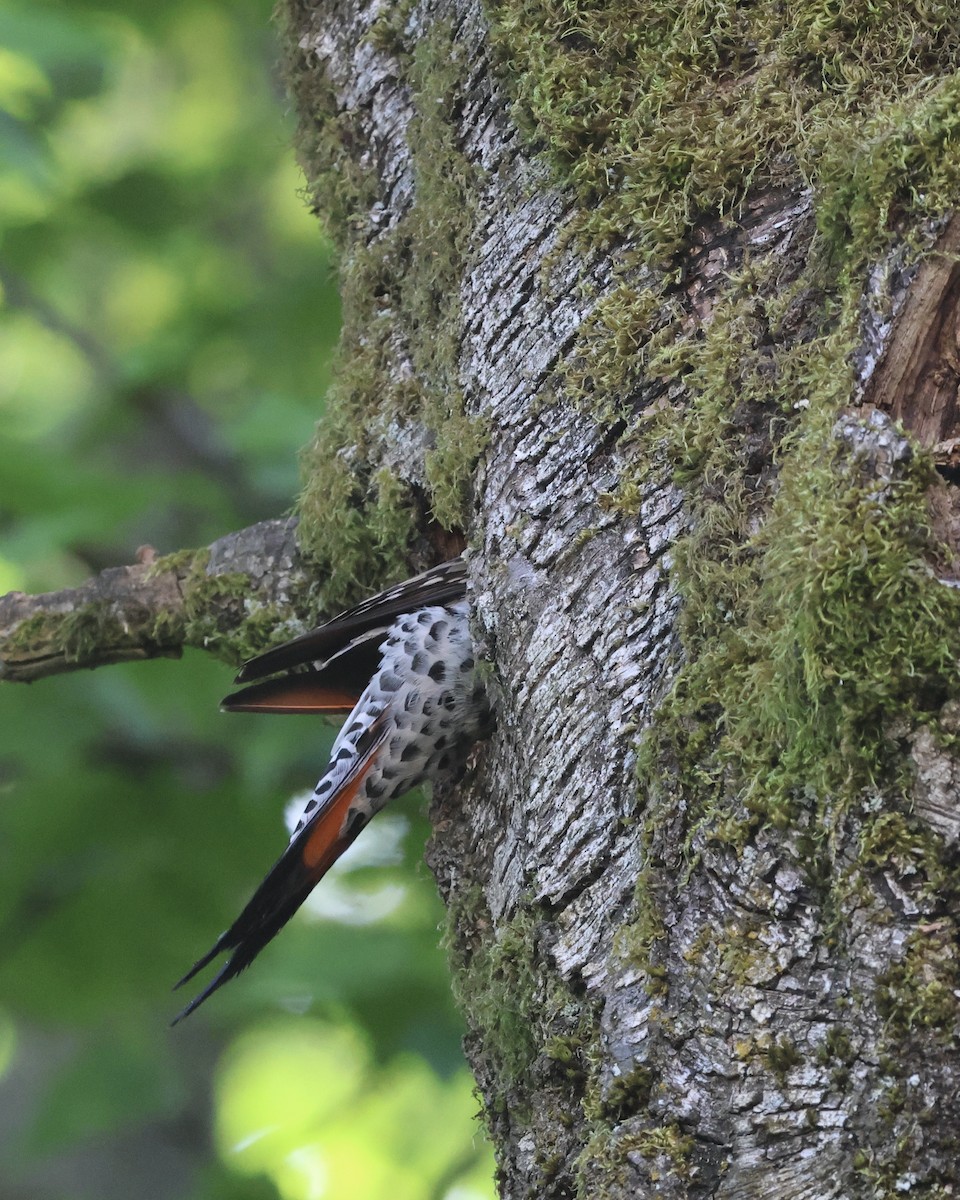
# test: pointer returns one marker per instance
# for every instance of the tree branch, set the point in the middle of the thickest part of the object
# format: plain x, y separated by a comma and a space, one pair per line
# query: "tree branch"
233, 598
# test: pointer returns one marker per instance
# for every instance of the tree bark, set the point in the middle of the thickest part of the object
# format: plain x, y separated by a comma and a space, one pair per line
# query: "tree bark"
702, 883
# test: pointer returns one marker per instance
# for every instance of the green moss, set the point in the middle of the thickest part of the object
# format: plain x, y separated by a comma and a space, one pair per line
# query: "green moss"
85, 630
527, 1020
168, 630
639, 940
613, 348
901, 843
180, 562
567, 1051
222, 612
811, 620
667, 1141
398, 371
919, 991
495, 985
459, 442
608, 1160
781, 1055
388, 31
844, 630
898, 1165
37, 630
627, 1094
214, 609
340, 185
656, 115
837, 1047
903, 155
83, 634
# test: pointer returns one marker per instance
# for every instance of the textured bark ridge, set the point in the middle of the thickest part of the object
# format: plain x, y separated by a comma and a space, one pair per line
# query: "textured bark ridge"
725, 965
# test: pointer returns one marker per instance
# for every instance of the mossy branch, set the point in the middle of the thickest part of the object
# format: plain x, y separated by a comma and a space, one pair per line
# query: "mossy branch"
233, 598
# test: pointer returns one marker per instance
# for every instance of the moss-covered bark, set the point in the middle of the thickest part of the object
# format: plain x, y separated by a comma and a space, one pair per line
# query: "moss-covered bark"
234, 598
389, 468
645, 260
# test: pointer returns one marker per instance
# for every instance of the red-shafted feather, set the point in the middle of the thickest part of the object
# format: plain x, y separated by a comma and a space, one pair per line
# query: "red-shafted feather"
308, 857
304, 693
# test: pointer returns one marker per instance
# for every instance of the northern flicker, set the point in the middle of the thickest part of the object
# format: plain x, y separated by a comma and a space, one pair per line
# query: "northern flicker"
401, 665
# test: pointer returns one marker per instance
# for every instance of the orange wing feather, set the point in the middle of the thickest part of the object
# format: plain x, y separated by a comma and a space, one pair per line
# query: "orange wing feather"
291, 694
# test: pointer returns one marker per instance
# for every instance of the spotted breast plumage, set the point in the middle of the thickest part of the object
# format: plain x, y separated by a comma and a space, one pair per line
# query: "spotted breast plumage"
401, 665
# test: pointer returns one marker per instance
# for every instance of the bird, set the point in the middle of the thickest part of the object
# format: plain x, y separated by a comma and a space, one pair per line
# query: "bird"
401, 665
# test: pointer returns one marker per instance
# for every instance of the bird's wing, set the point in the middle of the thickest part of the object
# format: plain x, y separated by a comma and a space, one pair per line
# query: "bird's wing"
362, 624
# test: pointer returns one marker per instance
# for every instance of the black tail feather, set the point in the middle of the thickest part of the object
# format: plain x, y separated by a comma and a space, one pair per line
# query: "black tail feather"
252, 931
222, 943
226, 972
269, 909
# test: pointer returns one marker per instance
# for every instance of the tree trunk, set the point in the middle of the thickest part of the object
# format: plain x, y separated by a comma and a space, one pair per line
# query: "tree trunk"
702, 885
634, 295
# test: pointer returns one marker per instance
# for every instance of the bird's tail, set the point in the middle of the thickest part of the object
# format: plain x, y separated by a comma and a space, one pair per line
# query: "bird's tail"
308, 857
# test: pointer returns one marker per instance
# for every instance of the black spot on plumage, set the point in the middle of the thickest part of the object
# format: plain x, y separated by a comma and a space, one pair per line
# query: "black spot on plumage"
410, 751
374, 790
354, 727
444, 722
345, 752
311, 805
424, 618
428, 707
438, 629
440, 742
443, 762
467, 664
389, 773
324, 786
419, 663
356, 819
438, 672
448, 701
427, 729
390, 682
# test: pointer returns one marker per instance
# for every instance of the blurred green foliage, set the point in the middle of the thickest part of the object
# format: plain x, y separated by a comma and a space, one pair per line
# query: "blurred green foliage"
168, 314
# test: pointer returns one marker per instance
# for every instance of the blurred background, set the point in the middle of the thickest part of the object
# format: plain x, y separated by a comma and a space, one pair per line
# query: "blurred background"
167, 320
